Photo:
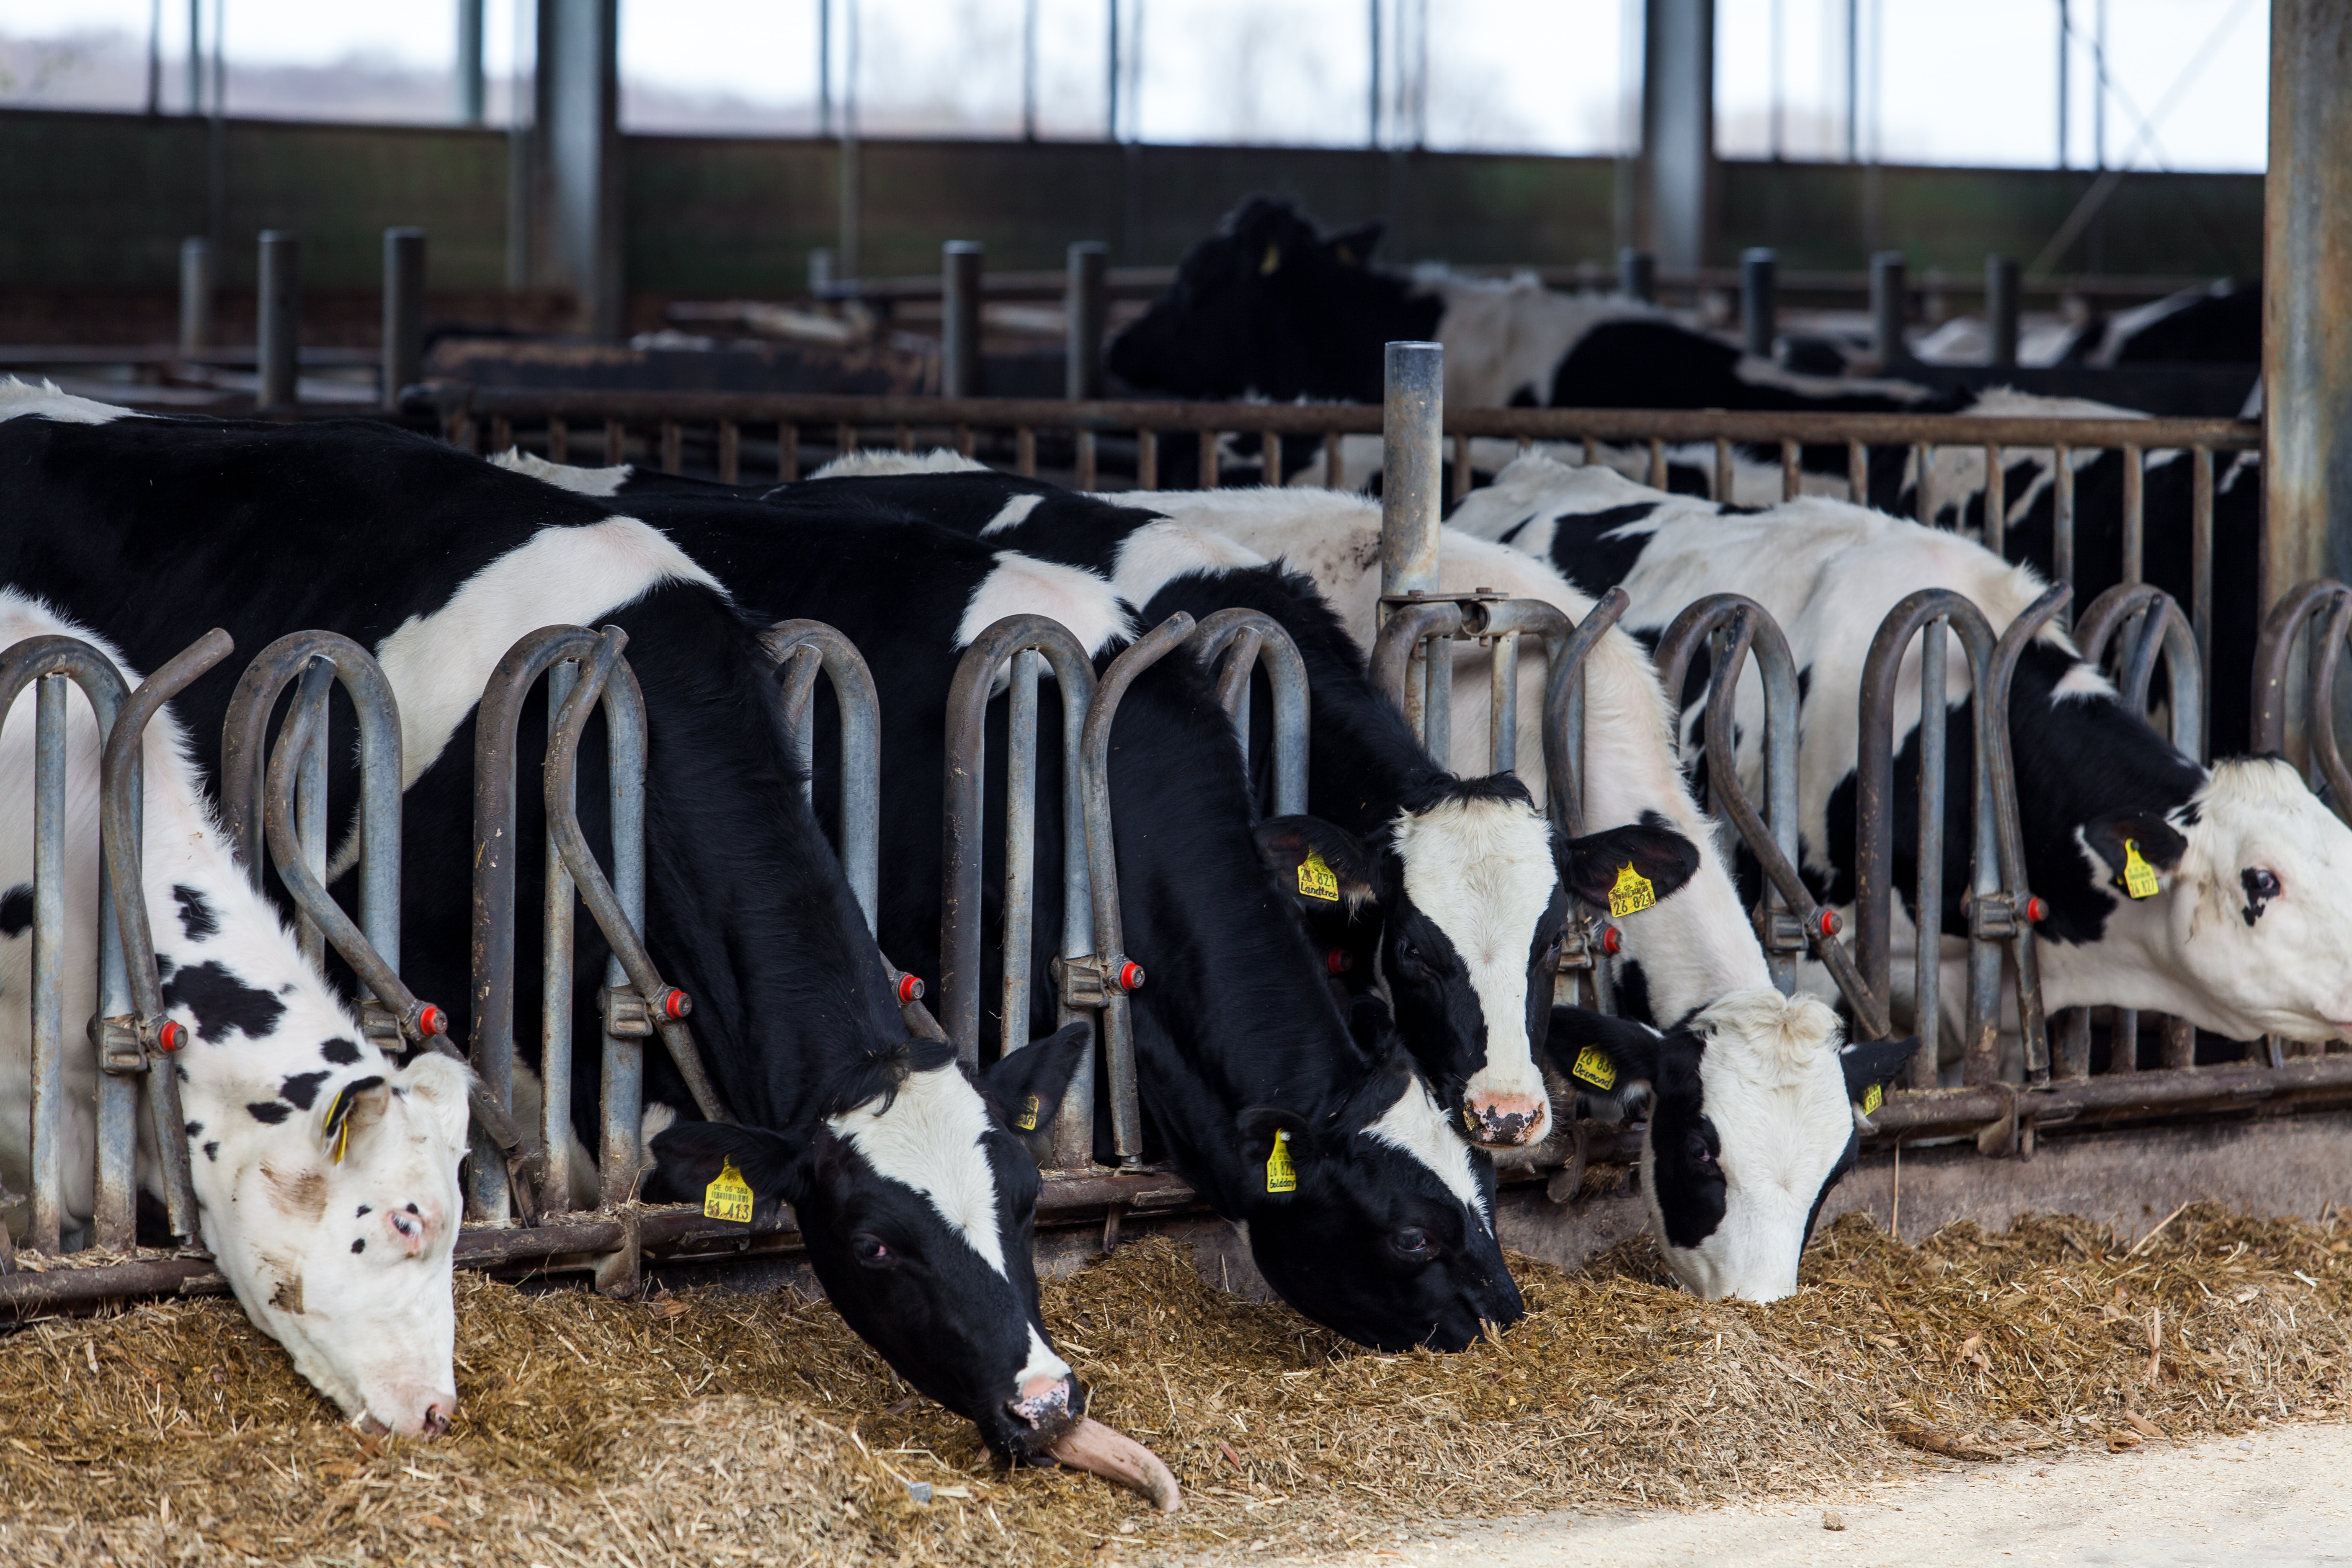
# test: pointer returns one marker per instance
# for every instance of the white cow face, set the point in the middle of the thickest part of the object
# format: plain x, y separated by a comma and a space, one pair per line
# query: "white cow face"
2255, 922
346, 1260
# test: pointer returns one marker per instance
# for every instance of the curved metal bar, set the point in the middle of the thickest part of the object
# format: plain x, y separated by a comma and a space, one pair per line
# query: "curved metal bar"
1257, 640
2169, 633
2274, 665
38, 659
1110, 956
802, 648
564, 732
1400, 666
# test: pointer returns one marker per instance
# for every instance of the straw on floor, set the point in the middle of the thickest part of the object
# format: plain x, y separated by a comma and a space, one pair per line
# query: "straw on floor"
701, 1427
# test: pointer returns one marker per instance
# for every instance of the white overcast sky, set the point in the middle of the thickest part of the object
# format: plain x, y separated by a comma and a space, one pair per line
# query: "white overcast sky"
1943, 81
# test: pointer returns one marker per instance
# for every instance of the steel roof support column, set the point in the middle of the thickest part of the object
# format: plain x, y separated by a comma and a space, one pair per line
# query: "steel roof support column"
1678, 131
576, 173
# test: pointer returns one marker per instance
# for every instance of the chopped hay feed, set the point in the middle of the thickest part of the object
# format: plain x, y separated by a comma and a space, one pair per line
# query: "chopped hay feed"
701, 1426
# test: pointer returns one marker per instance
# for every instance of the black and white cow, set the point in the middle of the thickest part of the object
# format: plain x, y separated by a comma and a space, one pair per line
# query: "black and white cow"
1468, 885
915, 1197
2250, 927
325, 1174
1389, 1234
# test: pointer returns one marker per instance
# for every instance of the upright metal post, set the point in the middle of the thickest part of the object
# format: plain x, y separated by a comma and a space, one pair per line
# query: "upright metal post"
1412, 421
1085, 304
959, 263
1886, 306
404, 311
2307, 307
2001, 306
1637, 275
197, 282
471, 94
280, 317
1678, 129
1759, 300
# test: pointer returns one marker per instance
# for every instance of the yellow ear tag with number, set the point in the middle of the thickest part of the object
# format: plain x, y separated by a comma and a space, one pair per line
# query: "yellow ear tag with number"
1873, 1098
1281, 1176
2139, 877
1595, 1068
1028, 1120
342, 1139
728, 1196
1632, 894
1317, 880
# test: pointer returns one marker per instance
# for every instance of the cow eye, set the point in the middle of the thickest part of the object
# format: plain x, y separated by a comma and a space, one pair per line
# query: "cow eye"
2262, 882
1410, 1241
1699, 1152
870, 1251
1406, 951
404, 1224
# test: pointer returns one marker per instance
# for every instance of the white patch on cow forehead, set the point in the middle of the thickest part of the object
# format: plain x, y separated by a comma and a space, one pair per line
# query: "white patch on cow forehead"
1483, 870
42, 400
1012, 513
560, 576
1023, 585
1042, 1362
931, 1139
601, 483
1414, 1126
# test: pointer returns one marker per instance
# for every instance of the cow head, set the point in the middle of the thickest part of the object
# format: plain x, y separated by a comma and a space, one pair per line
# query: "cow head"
1375, 1219
1752, 1120
1473, 896
2250, 928
917, 1199
1270, 305
331, 1212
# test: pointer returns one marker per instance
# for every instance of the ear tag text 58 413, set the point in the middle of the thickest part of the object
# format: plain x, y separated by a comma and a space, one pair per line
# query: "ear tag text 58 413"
1317, 880
1595, 1068
1281, 1176
1873, 1098
2139, 877
728, 1196
1028, 1120
1631, 894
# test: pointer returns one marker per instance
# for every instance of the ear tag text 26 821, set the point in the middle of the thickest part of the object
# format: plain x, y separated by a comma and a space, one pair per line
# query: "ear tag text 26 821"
1281, 1176
728, 1196
1317, 880
1631, 894
1595, 1068
2139, 877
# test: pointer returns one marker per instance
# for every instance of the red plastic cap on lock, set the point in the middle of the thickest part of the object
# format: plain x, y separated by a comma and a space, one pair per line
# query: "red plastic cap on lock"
1130, 976
1338, 960
170, 1035
676, 1003
431, 1020
2036, 911
1830, 924
910, 989
1611, 941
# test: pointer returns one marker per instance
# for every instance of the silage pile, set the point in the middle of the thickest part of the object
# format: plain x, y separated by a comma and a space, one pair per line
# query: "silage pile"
703, 1427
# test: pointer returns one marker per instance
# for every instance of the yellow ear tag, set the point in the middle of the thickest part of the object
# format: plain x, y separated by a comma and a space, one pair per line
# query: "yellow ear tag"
1872, 1099
1028, 1120
1269, 261
728, 1196
1632, 894
2139, 877
1281, 1176
342, 1139
1317, 880
1595, 1068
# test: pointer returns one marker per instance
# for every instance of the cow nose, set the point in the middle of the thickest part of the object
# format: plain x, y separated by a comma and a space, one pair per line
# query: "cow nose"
437, 1416
1507, 1120
1043, 1400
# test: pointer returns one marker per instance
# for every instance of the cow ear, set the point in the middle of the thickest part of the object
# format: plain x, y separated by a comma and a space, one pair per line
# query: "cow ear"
1874, 1065
691, 1155
1025, 1088
1354, 246
1599, 1054
440, 1086
1273, 1148
1594, 868
2122, 836
1322, 864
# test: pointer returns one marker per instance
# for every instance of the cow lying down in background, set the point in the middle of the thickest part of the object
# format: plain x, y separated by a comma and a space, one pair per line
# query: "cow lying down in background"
325, 1175
2248, 928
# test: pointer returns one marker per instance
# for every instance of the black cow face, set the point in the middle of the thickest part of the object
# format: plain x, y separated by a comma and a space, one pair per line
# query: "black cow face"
1751, 1123
1378, 1223
918, 1204
1472, 896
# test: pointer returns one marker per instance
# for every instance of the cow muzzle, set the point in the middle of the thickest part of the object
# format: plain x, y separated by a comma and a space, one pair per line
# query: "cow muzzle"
1506, 1120
411, 1413
1044, 1403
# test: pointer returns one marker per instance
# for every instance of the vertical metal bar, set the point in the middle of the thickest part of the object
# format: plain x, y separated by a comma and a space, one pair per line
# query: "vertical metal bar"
1995, 529
1460, 476
1792, 477
616, 443
1437, 707
1025, 451
622, 1102
2123, 1039
1085, 311
116, 1219
2062, 522
1412, 423
959, 285
2073, 1052
673, 447
559, 439
48, 1000
1270, 457
2200, 567
730, 452
1503, 707
1857, 472
1020, 847
1086, 474
2135, 515
844, 439
788, 452
1658, 464
558, 913
403, 312
1929, 895
1923, 491
1208, 480
1723, 471
196, 294
1887, 301
1637, 275
310, 814
965, 444
1335, 460
905, 434
1759, 300
2002, 307
501, 433
281, 319
1147, 459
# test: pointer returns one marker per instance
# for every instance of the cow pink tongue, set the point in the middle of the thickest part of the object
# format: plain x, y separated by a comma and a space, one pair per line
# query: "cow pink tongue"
1119, 1458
